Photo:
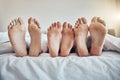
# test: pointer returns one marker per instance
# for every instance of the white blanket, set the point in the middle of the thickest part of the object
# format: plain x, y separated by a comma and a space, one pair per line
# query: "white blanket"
111, 43
105, 67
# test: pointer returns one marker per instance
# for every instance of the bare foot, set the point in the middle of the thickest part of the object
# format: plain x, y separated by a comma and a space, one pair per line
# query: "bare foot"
81, 31
54, 38
35, 34
67, 39
97, 33
16, 32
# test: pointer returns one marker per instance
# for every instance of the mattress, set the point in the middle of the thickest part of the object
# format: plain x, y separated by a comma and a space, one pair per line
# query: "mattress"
73, 67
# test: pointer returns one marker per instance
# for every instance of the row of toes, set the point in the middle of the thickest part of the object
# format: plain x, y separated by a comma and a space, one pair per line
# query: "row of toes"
67, 25
33, 21
56, 24
80, 21
15, 22
19, 21
98, 19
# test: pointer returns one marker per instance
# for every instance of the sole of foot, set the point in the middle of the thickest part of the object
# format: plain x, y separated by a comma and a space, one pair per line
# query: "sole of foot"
67, 39
54, 38
97, 34
35, 34
16, 33
81, 32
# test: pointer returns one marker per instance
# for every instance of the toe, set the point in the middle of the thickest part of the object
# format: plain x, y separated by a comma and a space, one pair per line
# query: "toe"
9, 27
54, 24
16, 21
76, 25
30, 20
64, 25
83, 20
101, 21
12, 23
69, 26
37, 23
58, 24
94, 19
20, 20
79, 21
50, 27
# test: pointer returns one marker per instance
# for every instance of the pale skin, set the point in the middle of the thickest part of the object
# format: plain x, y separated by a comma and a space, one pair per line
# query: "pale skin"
60, 37
54, 37
35, 34
81, 32
16, 32
67, 39
97, 33
16, 28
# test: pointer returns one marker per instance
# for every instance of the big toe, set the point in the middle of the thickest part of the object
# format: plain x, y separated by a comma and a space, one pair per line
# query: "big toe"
36, 22
20, 21
84, 21
101, 21
30, 20
94, 19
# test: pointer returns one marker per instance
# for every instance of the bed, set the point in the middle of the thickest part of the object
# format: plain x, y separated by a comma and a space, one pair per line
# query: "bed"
73, 67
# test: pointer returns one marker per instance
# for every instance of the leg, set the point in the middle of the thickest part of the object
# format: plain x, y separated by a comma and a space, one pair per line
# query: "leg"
54, 38
81, 31
97, 33
16, 32
35, 34
67, 39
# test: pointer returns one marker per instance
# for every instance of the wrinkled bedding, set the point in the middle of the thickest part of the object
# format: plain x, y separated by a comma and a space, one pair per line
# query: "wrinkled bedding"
73, 67
104, 67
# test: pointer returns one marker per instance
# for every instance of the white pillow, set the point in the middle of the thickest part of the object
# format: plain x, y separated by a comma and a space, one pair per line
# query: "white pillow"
112, 43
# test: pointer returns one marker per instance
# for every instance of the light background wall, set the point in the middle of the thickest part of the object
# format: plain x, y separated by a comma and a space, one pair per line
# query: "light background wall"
48, 11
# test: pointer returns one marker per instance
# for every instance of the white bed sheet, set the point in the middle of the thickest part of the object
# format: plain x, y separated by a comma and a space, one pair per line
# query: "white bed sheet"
111, 43
44, 67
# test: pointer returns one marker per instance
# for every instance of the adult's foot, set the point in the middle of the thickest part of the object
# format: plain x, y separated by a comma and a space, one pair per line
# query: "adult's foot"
35, 34
81, 32
16, 32
54, 38
97, 33
67, 39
